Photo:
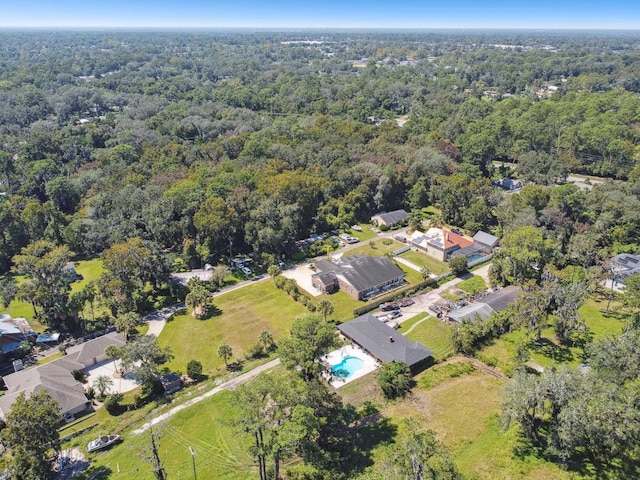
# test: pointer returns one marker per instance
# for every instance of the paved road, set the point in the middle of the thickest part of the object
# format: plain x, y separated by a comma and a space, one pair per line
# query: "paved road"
228, 385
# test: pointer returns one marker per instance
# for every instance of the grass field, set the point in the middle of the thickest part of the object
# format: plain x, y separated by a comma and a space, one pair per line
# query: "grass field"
430, 332
424, 260
207, 427
548, 352
244, 313
463, 411
375, 248
89, 269
472, 285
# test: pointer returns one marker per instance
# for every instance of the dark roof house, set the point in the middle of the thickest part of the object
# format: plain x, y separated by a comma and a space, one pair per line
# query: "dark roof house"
56, 376
360, 276
390, 219
385, 343
487, 306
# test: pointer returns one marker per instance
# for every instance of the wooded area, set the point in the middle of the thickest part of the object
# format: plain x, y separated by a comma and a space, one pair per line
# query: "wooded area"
160, 152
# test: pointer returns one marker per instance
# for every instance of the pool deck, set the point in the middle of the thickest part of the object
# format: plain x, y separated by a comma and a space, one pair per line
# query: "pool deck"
335, 357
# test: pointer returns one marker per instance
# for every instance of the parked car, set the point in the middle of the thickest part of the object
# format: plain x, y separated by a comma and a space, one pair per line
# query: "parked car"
388, 306
456, 231
406, 302
384, 319
394, 314
435, 309
357, 228
246, 270
401, 238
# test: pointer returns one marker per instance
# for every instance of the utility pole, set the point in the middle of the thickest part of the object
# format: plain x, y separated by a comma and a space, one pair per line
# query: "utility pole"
193, 461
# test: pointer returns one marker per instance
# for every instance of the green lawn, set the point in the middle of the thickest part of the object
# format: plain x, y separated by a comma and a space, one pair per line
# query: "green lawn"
90, 271
472, 285
548, 352
365, 234
464, 413
379, 249
207, 427
244, 313
424, 260
343, 305
432, 333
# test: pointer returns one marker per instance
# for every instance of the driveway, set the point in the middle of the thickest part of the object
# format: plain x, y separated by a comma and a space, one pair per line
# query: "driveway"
302, 275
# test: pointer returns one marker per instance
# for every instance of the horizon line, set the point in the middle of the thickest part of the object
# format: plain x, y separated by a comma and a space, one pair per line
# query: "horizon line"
307, 28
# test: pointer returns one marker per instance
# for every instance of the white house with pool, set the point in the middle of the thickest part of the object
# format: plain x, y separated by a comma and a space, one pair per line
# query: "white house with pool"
373, 342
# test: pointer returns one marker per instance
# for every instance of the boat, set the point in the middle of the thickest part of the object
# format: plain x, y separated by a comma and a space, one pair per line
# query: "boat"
103, 441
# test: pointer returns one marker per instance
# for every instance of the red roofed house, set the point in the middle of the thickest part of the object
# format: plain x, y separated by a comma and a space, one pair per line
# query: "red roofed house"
439, 243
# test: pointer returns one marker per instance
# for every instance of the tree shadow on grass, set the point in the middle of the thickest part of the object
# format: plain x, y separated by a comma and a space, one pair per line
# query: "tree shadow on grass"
211, 311
362, 437
236, 366
558, 353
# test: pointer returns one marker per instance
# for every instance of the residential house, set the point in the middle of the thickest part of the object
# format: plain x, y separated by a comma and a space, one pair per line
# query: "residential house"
624, 266
360, 276
484, 239
390, 219
386, 344
439, 243
56, 377
487, 306
13, 331
69, 272
508, 184
171, 382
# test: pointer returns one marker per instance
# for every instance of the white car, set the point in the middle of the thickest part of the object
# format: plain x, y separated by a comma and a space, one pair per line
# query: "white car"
246, 270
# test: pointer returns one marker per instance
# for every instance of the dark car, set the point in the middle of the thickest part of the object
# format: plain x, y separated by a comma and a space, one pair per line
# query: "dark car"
394, 314
406, 302
386, 307
456, 231
435, 309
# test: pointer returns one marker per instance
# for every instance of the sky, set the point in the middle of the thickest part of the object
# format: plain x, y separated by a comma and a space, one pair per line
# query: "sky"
522, 14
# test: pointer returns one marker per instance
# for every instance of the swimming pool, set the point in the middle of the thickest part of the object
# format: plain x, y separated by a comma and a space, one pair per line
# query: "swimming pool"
474, 257
347, 367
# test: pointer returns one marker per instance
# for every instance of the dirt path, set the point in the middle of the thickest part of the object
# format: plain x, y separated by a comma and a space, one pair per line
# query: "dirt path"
228, 385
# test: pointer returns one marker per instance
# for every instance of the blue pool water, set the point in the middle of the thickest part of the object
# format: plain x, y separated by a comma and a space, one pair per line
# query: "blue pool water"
347, 367
475, 256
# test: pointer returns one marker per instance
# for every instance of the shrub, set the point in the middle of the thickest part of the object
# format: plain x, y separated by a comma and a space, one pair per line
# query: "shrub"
394, 379
386, 241
78, 376
279, 282
112, 403
458, 265
194, 369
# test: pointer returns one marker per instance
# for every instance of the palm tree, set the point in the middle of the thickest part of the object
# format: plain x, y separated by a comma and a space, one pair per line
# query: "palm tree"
325, 307
266, 339
102, 384
197, 299
425, 272
225, 352
113, 353
126, 322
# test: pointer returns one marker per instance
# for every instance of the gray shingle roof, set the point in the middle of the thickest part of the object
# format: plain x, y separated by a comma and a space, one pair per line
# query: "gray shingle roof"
373, 335
471, 312
486, 239
56, 377
365, 272
493, 302
392, 218
502, 298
